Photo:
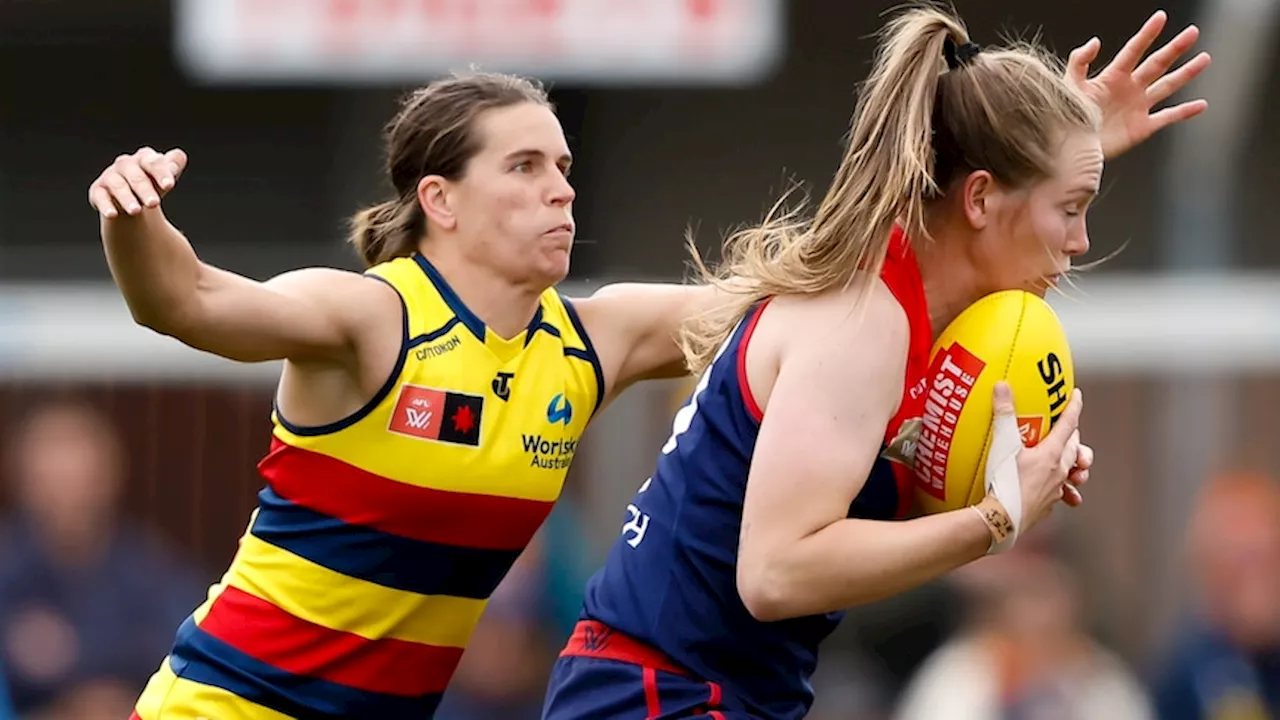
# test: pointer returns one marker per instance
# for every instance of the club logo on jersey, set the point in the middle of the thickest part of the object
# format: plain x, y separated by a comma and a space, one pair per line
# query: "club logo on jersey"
440, 415
560, 411
502, 385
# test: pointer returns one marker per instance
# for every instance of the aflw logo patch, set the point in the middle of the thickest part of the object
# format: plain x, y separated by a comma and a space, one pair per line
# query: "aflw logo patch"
441, 415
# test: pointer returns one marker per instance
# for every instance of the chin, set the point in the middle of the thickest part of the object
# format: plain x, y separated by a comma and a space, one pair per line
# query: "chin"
548, 272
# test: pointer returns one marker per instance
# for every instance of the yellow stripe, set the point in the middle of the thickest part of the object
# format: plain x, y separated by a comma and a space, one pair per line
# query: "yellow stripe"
167, 697
366, 446
321, 596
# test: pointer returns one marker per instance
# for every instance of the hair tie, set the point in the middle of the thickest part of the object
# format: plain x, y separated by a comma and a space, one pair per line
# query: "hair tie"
959, 56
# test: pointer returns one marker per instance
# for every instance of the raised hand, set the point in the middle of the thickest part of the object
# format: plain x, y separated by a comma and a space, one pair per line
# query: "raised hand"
137, 181
1129, 87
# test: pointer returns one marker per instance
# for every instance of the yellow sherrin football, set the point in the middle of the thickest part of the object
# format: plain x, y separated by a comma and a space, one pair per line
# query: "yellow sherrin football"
1012, 336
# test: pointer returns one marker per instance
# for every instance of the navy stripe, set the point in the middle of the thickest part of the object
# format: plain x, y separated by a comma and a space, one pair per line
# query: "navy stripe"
435, 334
392, 561
468, 318
378, 397
538, 324
199, 657
589, 354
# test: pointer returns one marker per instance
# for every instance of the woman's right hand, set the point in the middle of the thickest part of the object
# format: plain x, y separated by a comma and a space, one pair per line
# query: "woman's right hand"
136, 181
1043, 472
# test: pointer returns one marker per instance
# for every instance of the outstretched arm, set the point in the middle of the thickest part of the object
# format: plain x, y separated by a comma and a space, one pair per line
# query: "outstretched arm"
634, 328
1129, 87
311, 314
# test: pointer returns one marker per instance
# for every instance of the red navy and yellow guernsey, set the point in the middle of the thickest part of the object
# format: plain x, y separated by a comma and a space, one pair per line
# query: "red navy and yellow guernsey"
378, 539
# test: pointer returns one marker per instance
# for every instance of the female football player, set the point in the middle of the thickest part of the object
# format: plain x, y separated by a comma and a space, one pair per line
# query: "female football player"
968, 171
426, 415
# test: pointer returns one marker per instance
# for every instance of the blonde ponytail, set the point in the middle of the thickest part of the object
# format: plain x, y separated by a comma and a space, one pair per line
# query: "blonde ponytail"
884, 178
933, 109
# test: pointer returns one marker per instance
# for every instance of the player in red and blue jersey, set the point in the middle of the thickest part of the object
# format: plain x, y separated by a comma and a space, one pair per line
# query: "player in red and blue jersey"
772, 503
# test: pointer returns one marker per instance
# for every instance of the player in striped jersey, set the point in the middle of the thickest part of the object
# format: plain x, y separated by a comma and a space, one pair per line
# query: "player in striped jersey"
426, 415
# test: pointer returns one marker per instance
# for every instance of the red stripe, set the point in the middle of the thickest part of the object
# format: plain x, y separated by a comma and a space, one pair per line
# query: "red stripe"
267, 633
716, 695
651, 693
591, 638
749, 399
715, 715
339, 490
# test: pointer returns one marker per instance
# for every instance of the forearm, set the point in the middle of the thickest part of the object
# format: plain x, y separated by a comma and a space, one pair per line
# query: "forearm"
854, 562
154, 266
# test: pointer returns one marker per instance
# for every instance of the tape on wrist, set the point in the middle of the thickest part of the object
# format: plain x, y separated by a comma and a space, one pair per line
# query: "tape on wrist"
996, 518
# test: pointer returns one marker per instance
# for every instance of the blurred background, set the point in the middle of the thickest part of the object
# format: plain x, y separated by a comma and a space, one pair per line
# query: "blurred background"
128, 461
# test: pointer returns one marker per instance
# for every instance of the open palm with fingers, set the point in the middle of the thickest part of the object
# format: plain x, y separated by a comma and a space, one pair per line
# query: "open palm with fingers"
1129, 87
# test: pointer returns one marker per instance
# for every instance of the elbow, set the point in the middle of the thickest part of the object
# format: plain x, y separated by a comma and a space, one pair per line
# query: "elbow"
171, 320
174, 311
763, 592
152, 318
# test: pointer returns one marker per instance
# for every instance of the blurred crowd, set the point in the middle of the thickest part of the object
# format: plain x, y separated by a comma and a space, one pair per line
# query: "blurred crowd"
90, 598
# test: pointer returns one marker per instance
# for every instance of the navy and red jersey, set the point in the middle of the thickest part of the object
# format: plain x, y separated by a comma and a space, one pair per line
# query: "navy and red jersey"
670, 578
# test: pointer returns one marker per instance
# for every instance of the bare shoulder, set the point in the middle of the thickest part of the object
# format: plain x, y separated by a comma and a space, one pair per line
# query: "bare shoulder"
331, 285
858, 321
355, 298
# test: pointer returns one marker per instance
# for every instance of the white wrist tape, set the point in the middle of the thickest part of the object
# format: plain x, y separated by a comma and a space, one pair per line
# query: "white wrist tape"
1002, 474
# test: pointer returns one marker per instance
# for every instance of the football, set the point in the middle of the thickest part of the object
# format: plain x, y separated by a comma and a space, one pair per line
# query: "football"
1012, 336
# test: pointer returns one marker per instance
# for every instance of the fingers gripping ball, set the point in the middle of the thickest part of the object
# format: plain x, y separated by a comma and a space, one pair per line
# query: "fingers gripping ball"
1012, 336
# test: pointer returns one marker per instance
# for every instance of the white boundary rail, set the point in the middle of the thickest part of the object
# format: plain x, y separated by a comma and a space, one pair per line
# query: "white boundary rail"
1116, 324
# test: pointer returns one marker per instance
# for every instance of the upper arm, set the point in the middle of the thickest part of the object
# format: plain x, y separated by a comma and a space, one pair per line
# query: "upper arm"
309, 314
634, 328
839, 382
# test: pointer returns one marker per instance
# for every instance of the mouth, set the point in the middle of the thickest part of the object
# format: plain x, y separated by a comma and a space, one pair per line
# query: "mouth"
561, 229
1047, 282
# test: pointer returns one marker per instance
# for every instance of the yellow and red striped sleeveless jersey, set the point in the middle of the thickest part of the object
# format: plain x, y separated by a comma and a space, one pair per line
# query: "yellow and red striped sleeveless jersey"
378, 539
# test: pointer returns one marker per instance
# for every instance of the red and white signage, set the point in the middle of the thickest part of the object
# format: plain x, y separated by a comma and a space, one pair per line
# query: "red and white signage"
610, 42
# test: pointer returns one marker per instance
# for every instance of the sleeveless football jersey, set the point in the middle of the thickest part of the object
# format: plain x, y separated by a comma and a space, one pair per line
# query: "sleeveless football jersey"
670, 578
378, 539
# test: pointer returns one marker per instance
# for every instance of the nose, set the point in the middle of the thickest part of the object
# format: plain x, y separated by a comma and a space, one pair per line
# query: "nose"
562, 193
1078, 243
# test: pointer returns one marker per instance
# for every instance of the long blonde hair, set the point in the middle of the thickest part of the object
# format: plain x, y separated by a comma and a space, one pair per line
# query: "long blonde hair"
923, 119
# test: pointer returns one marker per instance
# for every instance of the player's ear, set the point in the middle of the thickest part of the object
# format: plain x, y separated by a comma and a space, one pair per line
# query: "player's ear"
434, 198
978, 198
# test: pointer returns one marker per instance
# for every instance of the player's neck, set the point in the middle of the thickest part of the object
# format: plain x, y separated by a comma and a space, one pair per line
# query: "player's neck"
503, 306
951, 283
